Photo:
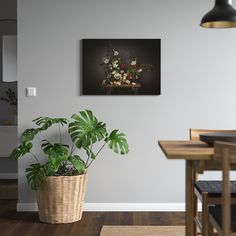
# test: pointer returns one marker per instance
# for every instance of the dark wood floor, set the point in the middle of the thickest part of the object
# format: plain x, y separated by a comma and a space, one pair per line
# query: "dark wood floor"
8, 189
14, 223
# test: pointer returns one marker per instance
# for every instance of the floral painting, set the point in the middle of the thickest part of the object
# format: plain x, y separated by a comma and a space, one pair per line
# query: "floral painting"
121, 66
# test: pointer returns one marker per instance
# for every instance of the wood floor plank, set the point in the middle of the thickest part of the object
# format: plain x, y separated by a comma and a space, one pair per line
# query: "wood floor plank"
14, 223
8, 189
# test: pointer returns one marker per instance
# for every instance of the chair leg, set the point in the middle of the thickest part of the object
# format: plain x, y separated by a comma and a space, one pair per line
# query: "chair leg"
205, 215
195, 209
210, 229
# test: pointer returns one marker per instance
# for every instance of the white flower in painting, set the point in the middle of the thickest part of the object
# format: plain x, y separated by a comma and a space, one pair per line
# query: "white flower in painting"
140, 70
127, 82
105, 60
116, 53
122, 71
117, 76
104, 82
111, 83
133, 63
115, 64
124, 77
117, 83
113, 72
133, 83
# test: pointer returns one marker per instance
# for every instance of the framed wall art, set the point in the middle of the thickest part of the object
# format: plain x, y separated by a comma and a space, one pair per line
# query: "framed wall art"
121, 66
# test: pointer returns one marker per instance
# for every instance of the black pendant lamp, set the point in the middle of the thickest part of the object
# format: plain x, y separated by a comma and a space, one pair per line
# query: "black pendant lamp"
223, 15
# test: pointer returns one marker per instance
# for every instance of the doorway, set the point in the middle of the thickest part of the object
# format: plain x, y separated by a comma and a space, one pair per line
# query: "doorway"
8, 98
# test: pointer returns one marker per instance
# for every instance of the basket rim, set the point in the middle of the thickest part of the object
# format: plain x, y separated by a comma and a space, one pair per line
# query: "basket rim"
66, 176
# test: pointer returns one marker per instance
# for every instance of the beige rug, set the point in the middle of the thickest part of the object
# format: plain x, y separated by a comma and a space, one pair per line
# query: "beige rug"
142, 231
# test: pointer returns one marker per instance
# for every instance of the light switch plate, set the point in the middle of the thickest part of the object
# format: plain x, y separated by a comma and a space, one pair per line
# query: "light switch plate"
31, 92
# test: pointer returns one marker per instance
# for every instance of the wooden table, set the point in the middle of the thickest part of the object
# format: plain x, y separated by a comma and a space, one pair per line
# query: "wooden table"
134, 88
192, 152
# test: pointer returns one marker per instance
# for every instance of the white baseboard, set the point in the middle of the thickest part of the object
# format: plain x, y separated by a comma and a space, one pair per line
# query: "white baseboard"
8, 176
163, 207
27, 207
134, 207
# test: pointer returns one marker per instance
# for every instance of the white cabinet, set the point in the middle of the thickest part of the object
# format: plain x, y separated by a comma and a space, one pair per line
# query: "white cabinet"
8, 137
9, 58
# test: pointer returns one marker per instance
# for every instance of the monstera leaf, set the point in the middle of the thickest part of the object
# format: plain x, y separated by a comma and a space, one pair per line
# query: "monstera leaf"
46, 122
78, 163
90, 153
85, 129
28, 135
23, 149
117, 142
36, 173
56, 152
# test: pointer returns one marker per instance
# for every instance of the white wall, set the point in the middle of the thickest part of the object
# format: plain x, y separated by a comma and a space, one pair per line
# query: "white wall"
198, 86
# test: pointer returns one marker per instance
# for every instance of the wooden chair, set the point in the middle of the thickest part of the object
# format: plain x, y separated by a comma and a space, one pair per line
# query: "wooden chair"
223, 217
208, 192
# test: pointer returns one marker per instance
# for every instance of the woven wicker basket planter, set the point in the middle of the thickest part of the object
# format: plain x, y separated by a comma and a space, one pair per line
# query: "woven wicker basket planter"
60, 198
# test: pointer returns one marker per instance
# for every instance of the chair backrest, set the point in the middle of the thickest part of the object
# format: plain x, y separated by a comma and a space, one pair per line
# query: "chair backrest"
194, 133
206, 165
226, 154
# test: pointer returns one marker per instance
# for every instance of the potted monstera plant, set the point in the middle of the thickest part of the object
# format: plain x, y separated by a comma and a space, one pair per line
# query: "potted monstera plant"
60, 178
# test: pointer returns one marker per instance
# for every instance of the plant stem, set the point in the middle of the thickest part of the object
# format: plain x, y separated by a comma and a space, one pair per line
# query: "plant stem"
91, 147
87, 162
87, 166
72, 149
100, 150
41, 147
96, 155
60, 133
34, 156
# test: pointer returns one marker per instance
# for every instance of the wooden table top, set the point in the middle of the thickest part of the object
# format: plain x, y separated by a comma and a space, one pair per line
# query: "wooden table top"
186, 150
137, 85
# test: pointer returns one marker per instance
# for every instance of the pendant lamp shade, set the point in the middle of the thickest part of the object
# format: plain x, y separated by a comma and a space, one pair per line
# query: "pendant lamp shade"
223, 15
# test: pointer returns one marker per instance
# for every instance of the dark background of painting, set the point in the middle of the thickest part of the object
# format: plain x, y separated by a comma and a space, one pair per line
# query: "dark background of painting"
146, 50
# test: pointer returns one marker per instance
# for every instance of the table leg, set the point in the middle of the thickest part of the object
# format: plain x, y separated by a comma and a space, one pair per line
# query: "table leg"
109, 91
191, 200
135, 91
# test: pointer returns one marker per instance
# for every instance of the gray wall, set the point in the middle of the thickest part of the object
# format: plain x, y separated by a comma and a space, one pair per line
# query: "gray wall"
198, 86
